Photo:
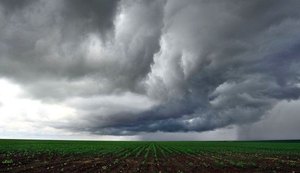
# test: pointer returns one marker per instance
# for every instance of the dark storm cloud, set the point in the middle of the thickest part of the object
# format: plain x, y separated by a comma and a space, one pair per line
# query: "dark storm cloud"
147, 66
51, 45
96, 15
12, 5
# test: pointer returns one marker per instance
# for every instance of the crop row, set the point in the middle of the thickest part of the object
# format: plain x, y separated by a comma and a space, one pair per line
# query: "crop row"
145, 149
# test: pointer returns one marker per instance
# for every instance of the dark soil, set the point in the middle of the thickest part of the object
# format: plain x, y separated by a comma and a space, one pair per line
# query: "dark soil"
43, 163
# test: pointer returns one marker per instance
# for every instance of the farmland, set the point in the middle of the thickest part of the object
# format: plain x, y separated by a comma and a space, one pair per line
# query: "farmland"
149, 156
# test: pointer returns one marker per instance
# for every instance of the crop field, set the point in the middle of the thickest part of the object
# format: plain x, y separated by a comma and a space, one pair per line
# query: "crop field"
108, 156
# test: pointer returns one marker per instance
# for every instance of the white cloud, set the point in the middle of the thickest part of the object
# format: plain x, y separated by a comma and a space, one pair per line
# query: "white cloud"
20, 114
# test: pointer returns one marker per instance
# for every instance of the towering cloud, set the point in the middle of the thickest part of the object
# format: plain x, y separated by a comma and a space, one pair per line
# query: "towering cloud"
132, 66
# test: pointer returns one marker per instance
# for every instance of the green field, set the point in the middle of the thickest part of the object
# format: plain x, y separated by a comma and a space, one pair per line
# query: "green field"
186, 156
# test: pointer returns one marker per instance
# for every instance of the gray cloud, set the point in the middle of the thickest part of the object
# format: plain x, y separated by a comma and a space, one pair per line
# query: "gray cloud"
282, 122
12, 5
55, 48
95, 15
138, 66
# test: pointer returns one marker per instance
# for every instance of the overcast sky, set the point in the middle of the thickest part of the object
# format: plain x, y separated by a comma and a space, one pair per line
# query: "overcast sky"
150, 69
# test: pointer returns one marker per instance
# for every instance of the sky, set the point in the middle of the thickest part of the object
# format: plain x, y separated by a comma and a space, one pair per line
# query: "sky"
150, 70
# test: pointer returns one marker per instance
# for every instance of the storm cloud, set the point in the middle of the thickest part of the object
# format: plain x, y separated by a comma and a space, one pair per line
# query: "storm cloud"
131, 66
